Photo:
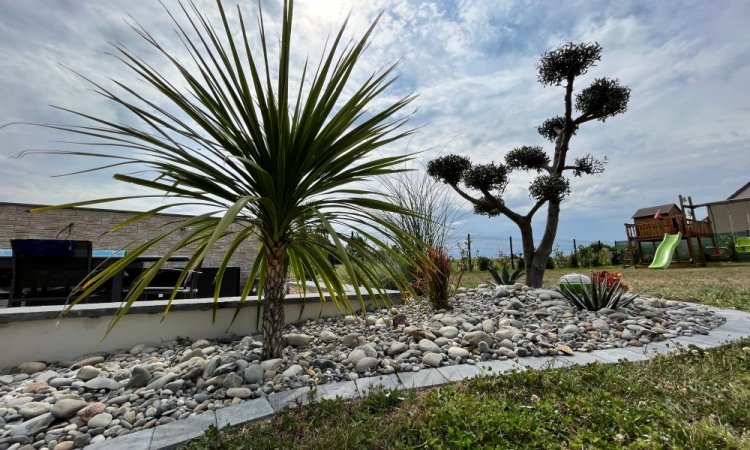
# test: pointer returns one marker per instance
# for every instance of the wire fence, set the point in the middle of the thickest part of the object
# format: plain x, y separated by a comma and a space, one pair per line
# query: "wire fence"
492, 246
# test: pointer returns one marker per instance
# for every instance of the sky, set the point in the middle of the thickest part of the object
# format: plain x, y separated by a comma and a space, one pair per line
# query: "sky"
472, 65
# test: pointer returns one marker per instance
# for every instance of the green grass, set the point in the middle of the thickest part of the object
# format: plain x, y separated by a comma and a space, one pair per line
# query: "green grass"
724, 285
695, 400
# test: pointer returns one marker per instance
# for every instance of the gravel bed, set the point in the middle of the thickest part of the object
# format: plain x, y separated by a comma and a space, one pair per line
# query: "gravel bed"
66, 405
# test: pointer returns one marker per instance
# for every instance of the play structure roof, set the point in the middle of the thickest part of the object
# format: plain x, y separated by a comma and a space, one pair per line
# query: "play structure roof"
741, 191
651, 210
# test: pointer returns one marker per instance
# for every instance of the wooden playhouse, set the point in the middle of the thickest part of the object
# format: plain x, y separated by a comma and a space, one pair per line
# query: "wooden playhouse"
651, 223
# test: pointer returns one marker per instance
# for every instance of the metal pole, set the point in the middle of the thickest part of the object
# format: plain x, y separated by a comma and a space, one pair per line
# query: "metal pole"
512, 257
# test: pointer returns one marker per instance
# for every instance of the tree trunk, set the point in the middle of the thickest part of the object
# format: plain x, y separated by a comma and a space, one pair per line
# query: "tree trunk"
274, 291
536, 258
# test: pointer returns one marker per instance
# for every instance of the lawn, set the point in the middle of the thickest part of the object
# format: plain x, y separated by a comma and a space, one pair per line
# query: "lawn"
695, 400
725, 285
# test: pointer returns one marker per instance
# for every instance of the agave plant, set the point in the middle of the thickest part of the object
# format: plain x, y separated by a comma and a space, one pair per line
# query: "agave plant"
597, 295
505, 277
271, 161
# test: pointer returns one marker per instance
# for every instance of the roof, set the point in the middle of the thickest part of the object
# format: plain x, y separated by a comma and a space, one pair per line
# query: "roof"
651, 210
739, 191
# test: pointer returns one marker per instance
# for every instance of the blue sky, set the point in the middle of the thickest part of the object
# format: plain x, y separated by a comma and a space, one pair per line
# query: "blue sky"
472, 63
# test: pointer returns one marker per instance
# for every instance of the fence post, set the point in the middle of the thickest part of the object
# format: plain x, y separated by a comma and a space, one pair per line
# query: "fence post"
512, 257
468, 244
575, 254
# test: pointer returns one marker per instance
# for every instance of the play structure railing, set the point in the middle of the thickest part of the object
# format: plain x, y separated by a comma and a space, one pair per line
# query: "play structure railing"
655, 229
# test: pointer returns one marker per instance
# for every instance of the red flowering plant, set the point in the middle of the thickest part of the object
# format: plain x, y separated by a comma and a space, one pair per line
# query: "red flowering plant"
611, 278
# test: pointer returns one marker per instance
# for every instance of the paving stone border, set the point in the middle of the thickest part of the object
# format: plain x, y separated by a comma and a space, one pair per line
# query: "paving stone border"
172, 435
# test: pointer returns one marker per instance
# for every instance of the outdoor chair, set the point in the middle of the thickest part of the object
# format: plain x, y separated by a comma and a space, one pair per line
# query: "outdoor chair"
47, 272
742, 245
163, 284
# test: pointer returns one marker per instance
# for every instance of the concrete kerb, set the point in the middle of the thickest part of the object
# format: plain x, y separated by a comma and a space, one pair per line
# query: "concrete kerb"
177, 433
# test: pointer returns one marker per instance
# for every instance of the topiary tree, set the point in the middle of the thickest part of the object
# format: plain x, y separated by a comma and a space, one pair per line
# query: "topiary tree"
603, 99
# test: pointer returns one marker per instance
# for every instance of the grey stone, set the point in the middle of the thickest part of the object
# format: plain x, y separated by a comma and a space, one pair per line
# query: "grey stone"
30, 367
432, 359
293, 371
86, 373
32, 426
213, 363
324, 364
175, 386
253, 374
243, 413
137, 349
90, 361
366, 364
449, 332
59, 382
427, 345
66, 408
140, 377
475, 337
100, 420
351, 340
33, 409
176, 433
46, 376
488, 326
397, 348
102, 383
298, 339
600, 324
271, 364
328, 336
570, 329
82, 440
232, 380
159, 382
455, 352
239, 392
483, 347
350, 320
6, 379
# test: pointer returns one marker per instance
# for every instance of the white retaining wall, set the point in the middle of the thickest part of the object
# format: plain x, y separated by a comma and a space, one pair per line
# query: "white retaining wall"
37, 334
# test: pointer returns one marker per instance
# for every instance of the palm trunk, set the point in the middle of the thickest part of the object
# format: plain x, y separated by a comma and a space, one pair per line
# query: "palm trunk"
273, 298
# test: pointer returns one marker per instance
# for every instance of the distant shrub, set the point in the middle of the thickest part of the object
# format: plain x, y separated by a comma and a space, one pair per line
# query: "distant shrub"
483, 262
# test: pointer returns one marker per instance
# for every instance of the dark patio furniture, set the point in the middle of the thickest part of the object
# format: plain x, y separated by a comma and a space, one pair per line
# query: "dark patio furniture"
45, 272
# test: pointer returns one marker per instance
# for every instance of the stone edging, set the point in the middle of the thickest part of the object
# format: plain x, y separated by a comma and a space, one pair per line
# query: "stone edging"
174, 434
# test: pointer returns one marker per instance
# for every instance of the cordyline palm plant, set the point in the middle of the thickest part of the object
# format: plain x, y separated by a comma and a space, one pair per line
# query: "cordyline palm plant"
271, 164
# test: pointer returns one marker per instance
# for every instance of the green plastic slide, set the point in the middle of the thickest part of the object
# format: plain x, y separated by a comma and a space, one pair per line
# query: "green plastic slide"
663, 255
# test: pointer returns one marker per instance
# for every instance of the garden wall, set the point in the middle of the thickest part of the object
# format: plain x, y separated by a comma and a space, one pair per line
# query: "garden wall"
38, 334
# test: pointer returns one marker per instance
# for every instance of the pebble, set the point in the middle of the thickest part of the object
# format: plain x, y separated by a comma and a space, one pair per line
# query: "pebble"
87, 373
66, 408
31, 367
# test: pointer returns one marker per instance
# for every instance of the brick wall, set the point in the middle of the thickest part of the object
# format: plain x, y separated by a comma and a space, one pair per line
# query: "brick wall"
16, 222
